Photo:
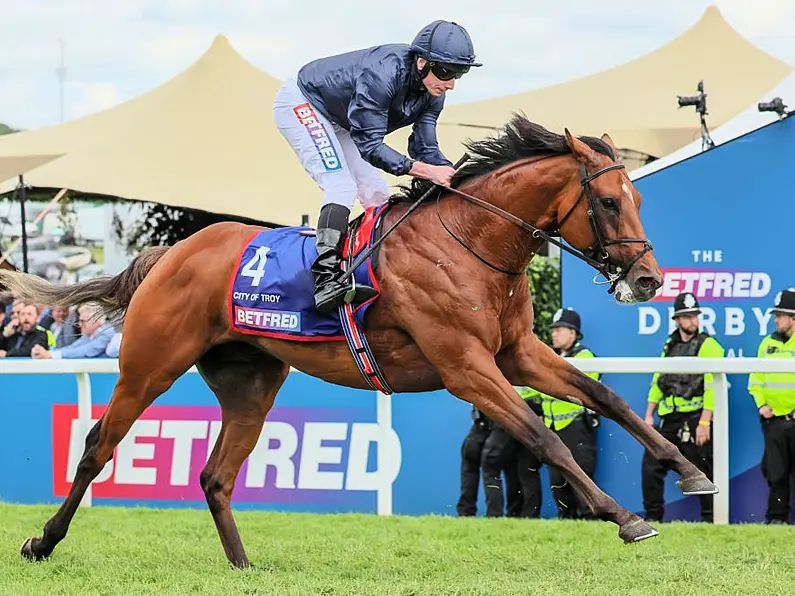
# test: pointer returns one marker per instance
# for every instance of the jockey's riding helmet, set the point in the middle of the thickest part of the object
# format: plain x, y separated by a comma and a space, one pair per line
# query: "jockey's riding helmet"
447, 47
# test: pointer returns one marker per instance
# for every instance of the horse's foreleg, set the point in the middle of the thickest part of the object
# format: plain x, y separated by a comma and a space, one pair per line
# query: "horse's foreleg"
533, 363
477, 380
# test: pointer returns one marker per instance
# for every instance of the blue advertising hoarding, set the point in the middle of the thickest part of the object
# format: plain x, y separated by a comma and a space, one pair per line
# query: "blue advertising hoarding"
720, 226
318, 451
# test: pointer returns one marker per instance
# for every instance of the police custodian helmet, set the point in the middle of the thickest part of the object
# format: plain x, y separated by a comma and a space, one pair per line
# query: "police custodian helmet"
785, 302
567, 318
685, 304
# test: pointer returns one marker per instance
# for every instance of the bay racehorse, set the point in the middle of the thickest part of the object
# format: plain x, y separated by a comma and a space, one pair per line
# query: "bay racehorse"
455, 313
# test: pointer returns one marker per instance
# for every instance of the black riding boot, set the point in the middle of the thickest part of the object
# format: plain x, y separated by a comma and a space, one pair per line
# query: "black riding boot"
330, 293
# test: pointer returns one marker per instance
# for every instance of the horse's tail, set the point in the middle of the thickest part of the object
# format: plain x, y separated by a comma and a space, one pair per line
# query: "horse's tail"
112, 294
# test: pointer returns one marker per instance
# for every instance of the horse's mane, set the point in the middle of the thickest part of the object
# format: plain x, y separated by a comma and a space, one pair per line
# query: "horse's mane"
518, 139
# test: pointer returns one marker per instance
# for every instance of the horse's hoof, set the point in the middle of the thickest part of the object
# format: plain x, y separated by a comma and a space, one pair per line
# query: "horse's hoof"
697, 485
27, 551
636, 530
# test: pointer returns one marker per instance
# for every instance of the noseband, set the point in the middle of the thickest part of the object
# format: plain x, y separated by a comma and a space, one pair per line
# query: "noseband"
595, 255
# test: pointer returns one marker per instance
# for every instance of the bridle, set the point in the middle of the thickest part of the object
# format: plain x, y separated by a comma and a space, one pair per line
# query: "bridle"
596, 255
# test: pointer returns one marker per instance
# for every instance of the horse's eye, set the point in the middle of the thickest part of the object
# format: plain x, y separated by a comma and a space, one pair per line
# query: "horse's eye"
610, 204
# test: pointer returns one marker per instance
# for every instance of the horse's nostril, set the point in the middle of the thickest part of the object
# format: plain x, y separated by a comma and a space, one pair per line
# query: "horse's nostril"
648, 282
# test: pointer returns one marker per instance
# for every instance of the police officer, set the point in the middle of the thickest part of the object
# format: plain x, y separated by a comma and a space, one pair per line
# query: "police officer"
527, 462
471, 450
502, 452
471, 460
575, 424
774, 394
684, 405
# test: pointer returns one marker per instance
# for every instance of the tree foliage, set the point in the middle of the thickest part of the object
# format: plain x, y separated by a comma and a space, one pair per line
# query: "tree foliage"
543, 274
164, 225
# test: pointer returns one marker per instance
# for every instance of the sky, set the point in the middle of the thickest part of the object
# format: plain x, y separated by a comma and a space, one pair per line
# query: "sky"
117, 50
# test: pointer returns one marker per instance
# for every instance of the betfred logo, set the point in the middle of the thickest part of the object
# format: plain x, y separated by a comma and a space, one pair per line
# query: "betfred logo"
708, 285
317, 132
303, 455
269, 319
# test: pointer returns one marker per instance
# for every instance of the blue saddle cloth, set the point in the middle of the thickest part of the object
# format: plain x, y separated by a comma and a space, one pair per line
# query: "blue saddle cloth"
272, 288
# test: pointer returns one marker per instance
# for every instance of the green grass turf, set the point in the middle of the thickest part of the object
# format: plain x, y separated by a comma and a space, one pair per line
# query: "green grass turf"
146, 551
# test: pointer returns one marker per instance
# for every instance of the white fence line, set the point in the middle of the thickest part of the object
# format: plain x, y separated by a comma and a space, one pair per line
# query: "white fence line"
720, 367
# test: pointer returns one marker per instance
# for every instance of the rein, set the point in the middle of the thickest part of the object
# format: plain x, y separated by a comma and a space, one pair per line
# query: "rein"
596, 257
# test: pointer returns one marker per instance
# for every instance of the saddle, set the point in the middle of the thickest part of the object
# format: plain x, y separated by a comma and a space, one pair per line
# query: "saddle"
272, 289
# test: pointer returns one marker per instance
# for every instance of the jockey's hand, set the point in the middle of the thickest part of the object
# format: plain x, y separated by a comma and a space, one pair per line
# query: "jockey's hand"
437, 174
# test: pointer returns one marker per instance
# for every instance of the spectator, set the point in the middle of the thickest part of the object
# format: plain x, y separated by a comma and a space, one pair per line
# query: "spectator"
774, 394
93, 342
21, 336
684, 403
112, 351
13, 311
45, 315
62, 323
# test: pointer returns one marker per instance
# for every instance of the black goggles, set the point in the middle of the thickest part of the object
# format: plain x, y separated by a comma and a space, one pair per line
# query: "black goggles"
446, 72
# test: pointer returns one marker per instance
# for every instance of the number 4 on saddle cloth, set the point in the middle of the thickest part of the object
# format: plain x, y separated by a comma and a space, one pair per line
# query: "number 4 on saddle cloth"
272, 290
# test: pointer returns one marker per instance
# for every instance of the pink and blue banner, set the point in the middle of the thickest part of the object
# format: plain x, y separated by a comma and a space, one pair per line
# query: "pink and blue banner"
304, 455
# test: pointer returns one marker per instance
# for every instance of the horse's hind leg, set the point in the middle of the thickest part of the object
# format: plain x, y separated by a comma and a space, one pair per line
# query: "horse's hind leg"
533, 363
246, 381
151, 360
134, 392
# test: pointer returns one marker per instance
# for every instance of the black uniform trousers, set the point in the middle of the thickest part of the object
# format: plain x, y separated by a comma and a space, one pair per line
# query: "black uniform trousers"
778, 464
471, 458
672, 427
502, 452
580, 438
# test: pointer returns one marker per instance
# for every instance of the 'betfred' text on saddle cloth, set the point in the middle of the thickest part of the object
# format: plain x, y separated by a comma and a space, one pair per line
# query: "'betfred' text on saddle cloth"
272, 288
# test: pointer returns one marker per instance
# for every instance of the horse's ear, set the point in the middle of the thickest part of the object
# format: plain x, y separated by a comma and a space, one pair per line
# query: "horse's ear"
606, 138
581, 151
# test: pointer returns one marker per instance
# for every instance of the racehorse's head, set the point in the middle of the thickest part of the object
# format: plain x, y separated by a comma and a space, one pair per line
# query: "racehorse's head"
599, 214
540, 184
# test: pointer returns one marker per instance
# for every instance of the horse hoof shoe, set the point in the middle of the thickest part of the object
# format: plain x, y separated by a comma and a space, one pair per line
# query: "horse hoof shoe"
636, 531
697, 485
27, 550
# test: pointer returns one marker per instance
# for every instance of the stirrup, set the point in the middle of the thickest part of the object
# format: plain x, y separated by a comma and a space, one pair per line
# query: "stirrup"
359, 294
335, 295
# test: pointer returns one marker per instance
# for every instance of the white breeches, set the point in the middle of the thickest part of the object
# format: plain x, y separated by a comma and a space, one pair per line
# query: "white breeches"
327, 152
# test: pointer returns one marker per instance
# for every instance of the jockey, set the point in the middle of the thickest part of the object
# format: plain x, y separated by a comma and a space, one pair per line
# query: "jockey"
335, 115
